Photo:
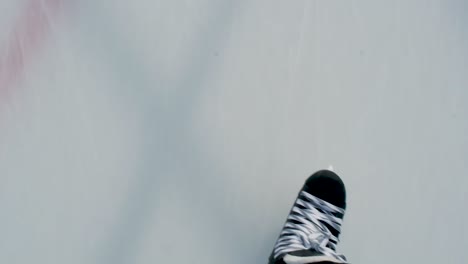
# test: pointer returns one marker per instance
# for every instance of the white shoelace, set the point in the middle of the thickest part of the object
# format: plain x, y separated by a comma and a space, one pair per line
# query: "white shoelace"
309, 230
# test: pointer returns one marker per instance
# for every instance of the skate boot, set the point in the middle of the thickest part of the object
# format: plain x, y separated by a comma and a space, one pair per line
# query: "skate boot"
310, 234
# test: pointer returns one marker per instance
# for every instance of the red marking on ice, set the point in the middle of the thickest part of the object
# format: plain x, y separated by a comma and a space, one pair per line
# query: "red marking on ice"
25, 40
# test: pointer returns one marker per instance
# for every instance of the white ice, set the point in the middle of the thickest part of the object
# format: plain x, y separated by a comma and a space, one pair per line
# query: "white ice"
152, 131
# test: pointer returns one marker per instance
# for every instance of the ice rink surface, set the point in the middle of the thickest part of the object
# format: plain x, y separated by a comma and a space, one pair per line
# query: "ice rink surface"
180, 131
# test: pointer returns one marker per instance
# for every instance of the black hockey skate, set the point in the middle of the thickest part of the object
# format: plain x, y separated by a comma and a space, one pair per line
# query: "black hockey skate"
311, 231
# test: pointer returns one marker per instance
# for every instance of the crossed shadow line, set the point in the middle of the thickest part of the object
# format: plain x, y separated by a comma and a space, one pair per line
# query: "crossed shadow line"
168, 133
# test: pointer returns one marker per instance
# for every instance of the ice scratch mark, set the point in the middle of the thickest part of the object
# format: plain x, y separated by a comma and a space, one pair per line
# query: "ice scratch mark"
25, 40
